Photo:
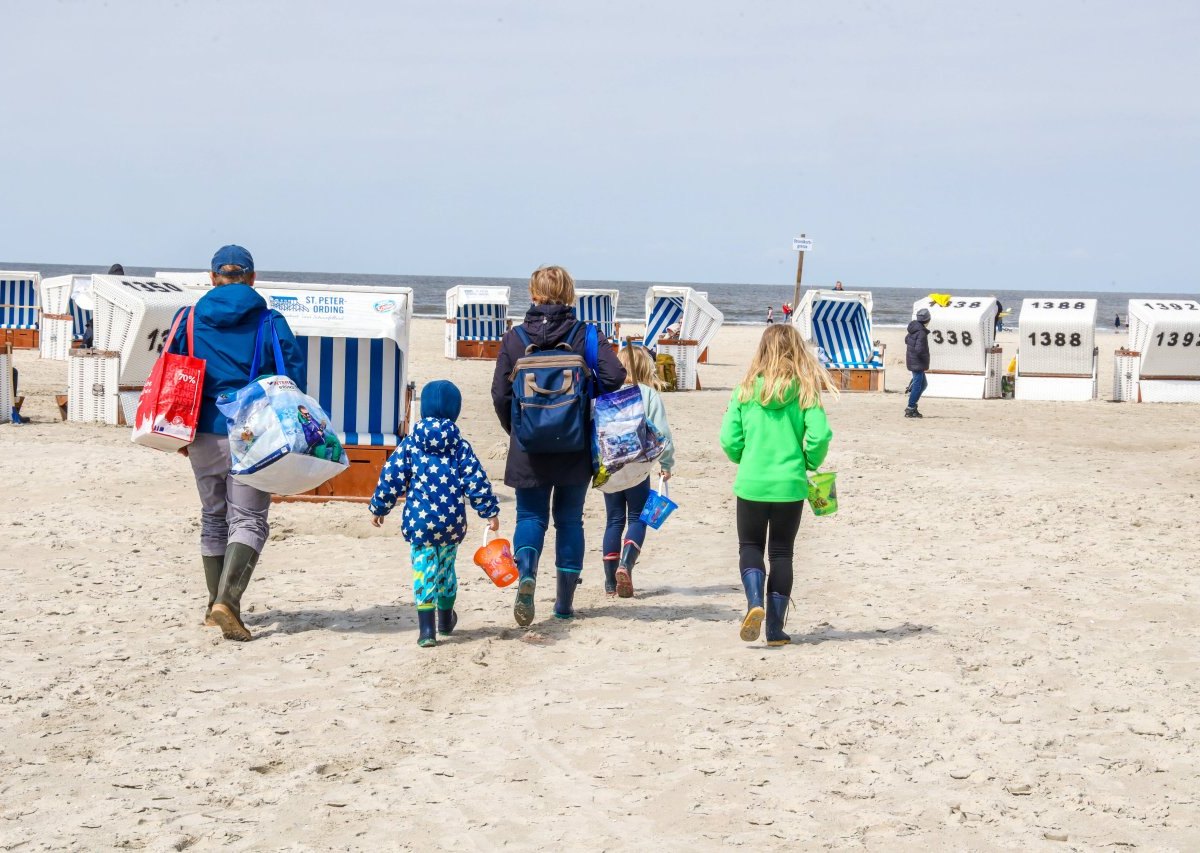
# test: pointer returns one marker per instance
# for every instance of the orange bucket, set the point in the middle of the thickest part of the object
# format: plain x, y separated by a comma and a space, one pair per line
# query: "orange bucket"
496, 560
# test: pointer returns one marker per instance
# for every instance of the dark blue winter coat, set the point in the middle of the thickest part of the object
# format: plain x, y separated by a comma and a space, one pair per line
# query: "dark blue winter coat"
227, 319
433, 470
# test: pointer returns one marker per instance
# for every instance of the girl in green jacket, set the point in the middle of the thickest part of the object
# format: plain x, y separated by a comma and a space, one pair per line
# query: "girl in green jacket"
775, 431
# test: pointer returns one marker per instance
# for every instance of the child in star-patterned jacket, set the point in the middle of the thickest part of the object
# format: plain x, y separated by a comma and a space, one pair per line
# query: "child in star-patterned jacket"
433, 471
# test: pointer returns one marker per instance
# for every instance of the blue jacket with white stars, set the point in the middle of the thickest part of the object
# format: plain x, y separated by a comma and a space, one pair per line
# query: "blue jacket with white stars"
433, 470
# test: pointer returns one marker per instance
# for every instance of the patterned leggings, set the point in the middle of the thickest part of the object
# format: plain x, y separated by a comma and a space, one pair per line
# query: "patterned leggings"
434, 580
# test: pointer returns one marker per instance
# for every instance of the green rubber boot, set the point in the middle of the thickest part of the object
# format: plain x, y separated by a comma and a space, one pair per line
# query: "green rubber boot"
212, 577
240, 561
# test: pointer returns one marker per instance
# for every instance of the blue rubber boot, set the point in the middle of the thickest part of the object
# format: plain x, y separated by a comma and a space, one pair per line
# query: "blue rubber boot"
565, 599
753, 581
527, 560
777, 607
611, 561
446, 617
428, 635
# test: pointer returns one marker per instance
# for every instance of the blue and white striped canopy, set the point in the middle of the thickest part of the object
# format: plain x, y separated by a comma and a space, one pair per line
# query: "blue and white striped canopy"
667, 311
81, 318
359, 382
597, 308
481, 322
843, 331
18, 303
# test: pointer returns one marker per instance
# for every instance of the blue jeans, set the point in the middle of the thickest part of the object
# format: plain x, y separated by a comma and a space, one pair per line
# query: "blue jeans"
624, 510
533, 518
919, 383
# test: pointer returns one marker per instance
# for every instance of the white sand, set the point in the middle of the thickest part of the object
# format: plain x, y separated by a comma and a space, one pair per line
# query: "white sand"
997, 645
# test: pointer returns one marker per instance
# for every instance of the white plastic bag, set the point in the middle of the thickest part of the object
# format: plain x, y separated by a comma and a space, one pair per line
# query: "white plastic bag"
279, 437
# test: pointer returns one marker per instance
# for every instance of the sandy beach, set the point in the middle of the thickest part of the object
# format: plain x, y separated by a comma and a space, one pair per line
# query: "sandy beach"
997, 640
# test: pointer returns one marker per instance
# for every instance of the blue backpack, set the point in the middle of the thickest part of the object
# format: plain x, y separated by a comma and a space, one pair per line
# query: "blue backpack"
552, 390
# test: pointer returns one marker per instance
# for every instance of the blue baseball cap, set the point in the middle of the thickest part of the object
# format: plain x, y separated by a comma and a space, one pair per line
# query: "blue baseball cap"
232, 255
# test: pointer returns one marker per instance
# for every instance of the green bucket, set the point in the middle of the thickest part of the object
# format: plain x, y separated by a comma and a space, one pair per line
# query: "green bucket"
822, 493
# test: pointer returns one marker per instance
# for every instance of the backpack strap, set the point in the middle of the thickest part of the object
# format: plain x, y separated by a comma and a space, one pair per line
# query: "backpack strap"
525, 339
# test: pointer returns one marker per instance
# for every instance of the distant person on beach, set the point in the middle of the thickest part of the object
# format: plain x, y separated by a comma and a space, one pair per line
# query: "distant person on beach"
433, 471
838, 286
999, 321
787, 312
1117, 322
233, 516
624, 531
548, 484
775, 431
770, 313
916, 359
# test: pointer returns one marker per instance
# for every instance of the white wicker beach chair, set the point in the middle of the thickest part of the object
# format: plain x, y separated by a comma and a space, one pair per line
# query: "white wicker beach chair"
1164, 343
964, 361
1056, 349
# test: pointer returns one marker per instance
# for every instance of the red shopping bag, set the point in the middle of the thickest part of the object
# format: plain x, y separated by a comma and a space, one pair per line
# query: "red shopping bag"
169, 408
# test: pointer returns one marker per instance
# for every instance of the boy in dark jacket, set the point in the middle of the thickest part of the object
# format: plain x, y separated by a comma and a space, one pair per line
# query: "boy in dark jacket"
916, 359
433, 470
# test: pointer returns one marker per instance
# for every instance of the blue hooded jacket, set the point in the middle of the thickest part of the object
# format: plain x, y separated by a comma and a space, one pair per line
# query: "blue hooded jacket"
433, 470
226, 324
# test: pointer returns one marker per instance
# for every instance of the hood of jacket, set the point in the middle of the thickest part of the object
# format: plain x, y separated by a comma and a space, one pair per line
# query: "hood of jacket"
229, 305
916, 326
436, 436
790, 395
548, 325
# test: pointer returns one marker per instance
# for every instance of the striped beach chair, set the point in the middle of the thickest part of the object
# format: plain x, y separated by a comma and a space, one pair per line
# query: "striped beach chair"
600, 308
687, 311
838, 323
20, 308
356, 339
476, 320
360, 382
843, 330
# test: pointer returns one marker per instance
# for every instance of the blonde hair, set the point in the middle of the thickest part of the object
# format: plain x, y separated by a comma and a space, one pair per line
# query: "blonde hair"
551, 286
639, 366
784, 362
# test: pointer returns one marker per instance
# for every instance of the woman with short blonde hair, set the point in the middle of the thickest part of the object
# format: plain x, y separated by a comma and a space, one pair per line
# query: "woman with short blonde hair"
551, 285
548, 484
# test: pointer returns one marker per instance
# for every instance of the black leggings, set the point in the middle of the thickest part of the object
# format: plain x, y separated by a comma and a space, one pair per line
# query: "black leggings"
770, 527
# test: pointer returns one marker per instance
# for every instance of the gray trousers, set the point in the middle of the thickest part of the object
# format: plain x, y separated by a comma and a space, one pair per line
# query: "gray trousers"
229, 511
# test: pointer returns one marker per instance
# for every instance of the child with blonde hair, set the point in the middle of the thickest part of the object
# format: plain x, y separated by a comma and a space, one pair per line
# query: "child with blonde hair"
625, 532
775, 431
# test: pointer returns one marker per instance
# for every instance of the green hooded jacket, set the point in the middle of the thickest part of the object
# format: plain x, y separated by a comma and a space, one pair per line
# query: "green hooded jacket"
774, 446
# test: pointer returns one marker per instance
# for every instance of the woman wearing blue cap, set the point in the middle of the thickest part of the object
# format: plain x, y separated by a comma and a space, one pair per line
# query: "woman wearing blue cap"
233, 516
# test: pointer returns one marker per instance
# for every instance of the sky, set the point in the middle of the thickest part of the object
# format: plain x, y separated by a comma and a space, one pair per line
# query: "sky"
1050, 145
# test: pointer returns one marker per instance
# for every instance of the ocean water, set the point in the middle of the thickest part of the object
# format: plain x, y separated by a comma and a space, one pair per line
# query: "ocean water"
742, 304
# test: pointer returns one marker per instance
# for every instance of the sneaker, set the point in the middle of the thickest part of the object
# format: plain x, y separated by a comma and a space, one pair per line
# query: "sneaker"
912, 413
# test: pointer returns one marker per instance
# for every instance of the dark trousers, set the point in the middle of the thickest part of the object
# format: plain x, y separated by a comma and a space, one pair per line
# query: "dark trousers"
623, 511
768, 531
919, 384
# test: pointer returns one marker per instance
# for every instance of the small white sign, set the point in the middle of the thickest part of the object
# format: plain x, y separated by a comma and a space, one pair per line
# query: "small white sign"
801, 244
